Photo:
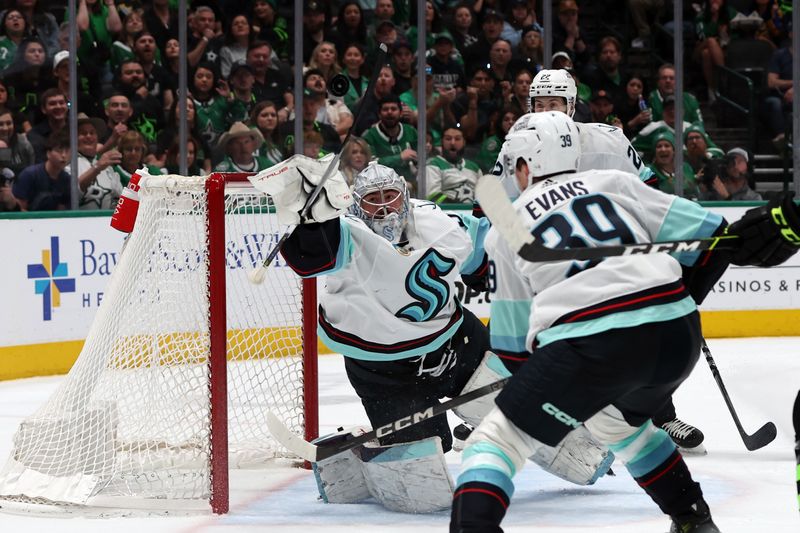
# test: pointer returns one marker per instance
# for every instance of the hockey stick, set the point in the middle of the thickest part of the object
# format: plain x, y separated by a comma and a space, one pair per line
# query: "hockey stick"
313, 453
495, 203
765, 433
257, 274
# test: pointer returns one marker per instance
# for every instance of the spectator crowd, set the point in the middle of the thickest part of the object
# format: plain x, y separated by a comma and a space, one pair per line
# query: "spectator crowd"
481, 57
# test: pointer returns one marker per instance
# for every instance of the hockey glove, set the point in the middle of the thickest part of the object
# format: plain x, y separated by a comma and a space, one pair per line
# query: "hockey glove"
290, 183
769, 235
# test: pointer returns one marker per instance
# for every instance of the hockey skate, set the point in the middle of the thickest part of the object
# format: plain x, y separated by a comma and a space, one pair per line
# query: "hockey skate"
688, 438
460, 435
697, 520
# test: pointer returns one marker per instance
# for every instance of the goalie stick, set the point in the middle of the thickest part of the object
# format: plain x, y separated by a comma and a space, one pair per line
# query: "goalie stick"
258, 274
313, 453
494, 201
765, 433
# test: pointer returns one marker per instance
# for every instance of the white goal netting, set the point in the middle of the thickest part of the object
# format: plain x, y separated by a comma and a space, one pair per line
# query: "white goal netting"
132, 418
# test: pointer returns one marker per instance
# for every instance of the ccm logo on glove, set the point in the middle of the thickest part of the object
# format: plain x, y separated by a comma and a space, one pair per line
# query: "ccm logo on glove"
783, 224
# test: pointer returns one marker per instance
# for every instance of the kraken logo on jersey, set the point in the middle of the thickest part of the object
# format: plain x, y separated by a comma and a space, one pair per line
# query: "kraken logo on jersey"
425, 284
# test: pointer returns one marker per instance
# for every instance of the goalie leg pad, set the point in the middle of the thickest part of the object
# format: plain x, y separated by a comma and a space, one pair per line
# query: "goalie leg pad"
490, 370
340, 478
578, 458
410, 477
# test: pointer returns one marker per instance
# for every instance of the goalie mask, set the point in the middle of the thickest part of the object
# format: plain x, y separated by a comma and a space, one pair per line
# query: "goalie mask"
382, 201
550, 145
557, 83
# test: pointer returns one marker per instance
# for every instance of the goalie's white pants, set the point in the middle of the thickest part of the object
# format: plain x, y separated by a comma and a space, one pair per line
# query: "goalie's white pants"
578, 458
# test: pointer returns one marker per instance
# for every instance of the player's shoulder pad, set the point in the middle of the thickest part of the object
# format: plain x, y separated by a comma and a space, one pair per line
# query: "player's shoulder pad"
606, 130
598, 137
613, 176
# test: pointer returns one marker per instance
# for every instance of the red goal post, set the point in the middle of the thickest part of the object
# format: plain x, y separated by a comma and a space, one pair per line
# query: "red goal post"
181, 363
215, 186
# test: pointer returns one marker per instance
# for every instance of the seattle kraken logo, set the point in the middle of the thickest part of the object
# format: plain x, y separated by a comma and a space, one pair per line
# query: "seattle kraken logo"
425, 284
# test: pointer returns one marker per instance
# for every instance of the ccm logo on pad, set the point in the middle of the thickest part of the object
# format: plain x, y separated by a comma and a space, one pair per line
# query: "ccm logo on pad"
560, 415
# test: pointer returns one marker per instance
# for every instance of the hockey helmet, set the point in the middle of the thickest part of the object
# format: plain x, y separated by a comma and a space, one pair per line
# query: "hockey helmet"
554, 83
549, 145
382, 201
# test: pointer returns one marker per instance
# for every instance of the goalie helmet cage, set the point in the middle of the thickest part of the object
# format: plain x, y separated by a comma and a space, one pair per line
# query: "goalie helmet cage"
181, 364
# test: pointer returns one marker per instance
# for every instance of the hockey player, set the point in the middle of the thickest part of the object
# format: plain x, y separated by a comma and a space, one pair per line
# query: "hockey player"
604, 147
389, 306
796, 420
611, 339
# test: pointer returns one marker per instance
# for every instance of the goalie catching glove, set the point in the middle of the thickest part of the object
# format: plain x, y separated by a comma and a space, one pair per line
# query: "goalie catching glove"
290, 183
769, 235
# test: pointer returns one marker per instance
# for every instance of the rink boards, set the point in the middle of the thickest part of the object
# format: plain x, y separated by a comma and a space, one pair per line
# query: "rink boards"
56, 268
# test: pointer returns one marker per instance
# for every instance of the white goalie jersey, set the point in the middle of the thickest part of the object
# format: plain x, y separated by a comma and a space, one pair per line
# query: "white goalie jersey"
383, 302
534, 304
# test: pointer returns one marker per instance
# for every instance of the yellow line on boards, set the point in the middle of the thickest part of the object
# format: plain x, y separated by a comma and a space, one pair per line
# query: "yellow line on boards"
38, 359
58, 357
746, 323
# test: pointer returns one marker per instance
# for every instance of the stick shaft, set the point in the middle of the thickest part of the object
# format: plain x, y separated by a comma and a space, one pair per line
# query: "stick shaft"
334, 164
765, 433
313, 453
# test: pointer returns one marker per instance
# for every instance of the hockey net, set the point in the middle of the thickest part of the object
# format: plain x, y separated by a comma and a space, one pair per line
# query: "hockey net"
141, 415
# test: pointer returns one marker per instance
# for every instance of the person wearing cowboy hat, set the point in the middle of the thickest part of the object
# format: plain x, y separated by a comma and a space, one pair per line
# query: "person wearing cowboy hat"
239, 144
99, 187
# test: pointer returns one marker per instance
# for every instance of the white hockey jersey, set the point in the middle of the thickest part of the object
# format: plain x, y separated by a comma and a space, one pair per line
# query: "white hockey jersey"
534, 304
383, 302
605, 147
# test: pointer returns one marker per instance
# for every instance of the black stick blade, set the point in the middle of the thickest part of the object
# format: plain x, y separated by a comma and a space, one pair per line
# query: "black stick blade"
760, 438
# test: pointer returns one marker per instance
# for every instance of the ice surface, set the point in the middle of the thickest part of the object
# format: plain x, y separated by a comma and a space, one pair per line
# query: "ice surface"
748, 491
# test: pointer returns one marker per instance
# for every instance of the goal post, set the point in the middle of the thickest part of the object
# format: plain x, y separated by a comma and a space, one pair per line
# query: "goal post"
182, 362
